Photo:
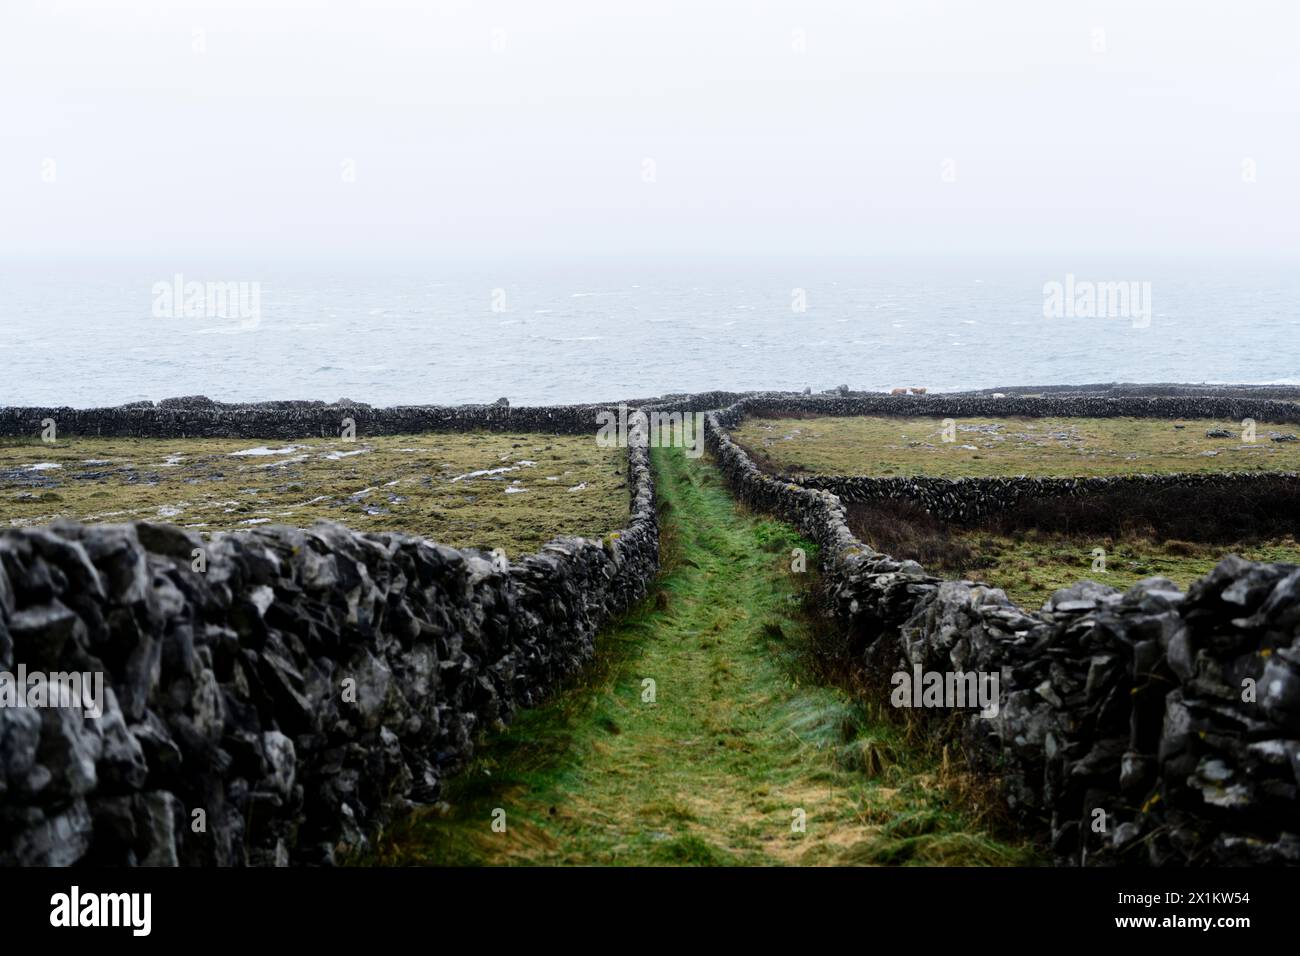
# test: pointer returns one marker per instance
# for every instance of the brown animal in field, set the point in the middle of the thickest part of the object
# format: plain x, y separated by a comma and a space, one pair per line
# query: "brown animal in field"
898, 391
918, 391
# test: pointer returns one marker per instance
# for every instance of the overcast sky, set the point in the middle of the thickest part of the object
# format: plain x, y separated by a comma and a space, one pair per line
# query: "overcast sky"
695, 128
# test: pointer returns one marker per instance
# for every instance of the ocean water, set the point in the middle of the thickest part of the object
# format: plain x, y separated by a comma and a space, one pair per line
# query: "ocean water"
86, 333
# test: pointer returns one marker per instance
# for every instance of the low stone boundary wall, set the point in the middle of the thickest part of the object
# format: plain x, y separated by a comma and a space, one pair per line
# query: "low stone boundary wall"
271, 696
967, 499
197, 417
1284, 392
1065, 405
1149, 727
200, 418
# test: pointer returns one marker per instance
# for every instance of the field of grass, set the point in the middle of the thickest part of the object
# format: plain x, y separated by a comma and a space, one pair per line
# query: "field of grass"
882, 446
740, 741
1030, 568
484, 489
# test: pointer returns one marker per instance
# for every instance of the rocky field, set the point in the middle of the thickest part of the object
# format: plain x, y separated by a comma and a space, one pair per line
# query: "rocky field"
1032, 567
514, 491
1035, 558
885, 446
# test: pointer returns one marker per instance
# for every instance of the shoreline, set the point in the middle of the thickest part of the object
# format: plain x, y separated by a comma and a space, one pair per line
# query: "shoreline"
198, 403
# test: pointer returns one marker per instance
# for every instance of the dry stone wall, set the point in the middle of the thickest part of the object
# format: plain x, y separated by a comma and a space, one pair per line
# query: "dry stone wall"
1066, 405
272, 696
308, 683
1146, 727
1119, 389
968, 499
200, 417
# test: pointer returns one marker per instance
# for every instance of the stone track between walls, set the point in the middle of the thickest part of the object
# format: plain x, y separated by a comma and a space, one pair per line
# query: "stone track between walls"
1151, 727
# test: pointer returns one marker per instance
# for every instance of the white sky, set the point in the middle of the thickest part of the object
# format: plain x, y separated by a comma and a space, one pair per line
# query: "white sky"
758, 149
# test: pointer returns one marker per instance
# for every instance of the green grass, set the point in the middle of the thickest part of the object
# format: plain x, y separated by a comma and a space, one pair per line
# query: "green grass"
388, 483
882, 446
739, 737
1029, 568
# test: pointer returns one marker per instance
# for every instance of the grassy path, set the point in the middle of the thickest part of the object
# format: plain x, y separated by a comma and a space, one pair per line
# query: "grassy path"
738, 746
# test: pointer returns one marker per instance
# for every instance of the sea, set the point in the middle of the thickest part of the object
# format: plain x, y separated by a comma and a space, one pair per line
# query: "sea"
86, 332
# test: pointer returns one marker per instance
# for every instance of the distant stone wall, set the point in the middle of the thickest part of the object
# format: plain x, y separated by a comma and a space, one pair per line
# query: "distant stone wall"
968, 499
271, 696
1286, 392
1149, 727
1066, 405
197, 416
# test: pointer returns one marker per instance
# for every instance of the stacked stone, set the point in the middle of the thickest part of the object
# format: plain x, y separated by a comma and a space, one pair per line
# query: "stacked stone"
1120, 389
197, 416
273, 696
1224, 407
191, 418
1149, 727
968, 499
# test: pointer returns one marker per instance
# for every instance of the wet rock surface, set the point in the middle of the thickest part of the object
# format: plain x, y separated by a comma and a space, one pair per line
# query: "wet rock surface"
1148, 727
